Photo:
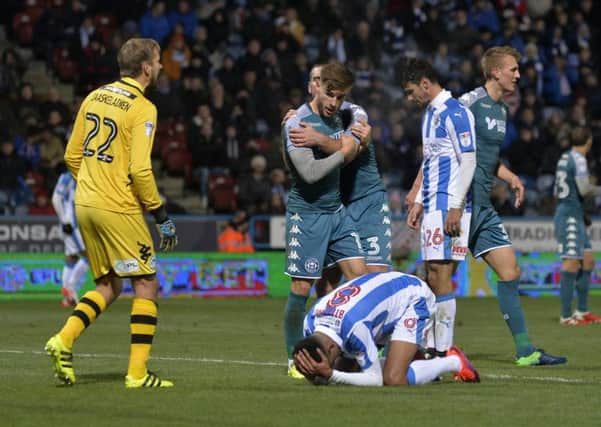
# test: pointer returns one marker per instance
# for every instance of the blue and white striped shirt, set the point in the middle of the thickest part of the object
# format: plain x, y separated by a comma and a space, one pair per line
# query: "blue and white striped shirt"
63, 199
447, 132
362, 314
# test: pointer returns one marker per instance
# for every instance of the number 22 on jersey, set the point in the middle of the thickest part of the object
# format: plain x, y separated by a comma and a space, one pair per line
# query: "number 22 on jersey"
101, 154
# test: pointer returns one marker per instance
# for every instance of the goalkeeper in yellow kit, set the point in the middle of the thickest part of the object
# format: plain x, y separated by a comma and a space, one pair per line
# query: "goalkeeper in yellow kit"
108, 154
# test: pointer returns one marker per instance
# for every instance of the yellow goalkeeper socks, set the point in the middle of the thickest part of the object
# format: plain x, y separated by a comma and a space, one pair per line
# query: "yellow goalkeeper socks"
91, 305
142, 326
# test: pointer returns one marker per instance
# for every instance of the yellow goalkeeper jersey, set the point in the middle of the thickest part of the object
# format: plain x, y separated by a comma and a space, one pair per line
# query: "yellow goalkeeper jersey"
108, 153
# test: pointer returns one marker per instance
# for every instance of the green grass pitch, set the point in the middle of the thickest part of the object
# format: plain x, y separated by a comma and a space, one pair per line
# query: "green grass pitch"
228, 363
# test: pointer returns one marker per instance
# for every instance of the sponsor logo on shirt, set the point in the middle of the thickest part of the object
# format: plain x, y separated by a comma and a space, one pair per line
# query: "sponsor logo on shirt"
459, 250
148, 127
492, 123
125, 266
410, 322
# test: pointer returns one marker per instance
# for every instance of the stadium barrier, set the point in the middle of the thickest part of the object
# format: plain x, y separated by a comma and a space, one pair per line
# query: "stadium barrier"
31, 259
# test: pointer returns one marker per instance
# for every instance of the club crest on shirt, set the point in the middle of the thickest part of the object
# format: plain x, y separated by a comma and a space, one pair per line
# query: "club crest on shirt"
465, 139
311, 265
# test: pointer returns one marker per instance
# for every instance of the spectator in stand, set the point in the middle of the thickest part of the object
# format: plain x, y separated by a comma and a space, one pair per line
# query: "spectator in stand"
41, 204
52, 151
279, 192
433, 32
463, 36
361, 43
234, 149
28, 147
299, 73
176, 57
217, 28
11, 179
208, 153
235, 237
194, 93
524, 156
251, 61
442, 61
167, 99
510, 36
185, 16
86, 31
199, 42
26, 104
254, 190
335, 46
228, 75
483, 16
557, 86
154, 23
295, 27
54, 102
96, 65
11, 72
200, 66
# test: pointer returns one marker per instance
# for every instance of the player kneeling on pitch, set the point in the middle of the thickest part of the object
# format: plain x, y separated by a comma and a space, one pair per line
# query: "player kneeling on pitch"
347, 326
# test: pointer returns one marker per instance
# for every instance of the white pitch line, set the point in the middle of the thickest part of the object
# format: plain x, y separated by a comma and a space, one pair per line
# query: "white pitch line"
255, 363
167, 358
547, 379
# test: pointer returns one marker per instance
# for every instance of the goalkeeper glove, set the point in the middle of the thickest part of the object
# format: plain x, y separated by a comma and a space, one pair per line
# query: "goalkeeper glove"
168, 236
166, 229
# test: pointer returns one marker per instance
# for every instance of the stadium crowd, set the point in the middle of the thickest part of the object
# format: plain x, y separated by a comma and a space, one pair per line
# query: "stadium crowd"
232, 68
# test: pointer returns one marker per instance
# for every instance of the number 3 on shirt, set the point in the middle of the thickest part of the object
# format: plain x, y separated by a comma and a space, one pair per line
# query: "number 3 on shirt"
87, 151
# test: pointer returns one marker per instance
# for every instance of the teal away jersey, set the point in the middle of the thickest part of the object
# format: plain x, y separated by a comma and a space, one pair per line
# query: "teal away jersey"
361, 177
571, 165
490, 117
324, 195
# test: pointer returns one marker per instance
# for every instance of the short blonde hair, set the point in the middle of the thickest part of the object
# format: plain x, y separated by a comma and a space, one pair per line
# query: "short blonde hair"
133, 54
336, 76
493, 58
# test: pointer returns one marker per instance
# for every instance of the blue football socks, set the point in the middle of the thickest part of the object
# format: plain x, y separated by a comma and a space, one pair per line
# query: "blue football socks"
294, 315
566, 292
511, 308
582, 284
